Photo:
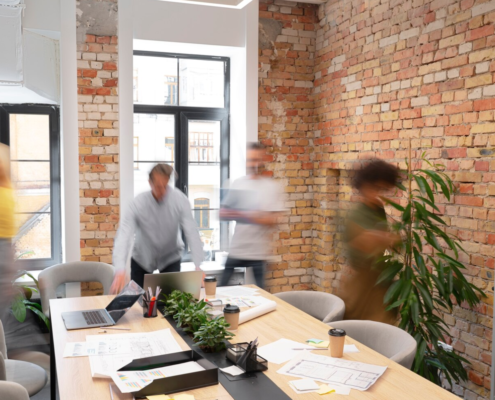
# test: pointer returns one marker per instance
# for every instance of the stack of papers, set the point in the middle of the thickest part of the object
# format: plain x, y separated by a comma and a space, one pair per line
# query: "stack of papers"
140, 345
234, 291
282, 350
133, 381
99, 348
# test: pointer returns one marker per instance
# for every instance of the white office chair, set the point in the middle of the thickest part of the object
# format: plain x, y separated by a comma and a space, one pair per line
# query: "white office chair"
77, 271
323, 306
31, 377
388, 340
12, 391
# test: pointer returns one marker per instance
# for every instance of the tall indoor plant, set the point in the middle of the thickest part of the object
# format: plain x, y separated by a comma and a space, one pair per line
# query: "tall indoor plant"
428, 276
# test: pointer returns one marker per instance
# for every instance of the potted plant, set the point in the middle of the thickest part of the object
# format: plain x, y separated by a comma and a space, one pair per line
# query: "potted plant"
212, 335
426, 272
192, 317
176, 301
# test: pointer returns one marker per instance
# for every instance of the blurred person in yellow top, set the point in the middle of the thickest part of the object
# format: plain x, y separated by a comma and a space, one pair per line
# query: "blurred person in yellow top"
7, 204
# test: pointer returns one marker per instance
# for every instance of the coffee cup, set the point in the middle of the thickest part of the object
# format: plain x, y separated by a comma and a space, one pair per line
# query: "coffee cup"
210, 285
337, 340
231, 315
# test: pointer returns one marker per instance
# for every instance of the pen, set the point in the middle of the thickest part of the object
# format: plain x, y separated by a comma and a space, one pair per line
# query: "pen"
151, 306
316, 348
120, 329
111, 391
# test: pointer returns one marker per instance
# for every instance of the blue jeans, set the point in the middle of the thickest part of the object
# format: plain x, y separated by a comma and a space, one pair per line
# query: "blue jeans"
258, 267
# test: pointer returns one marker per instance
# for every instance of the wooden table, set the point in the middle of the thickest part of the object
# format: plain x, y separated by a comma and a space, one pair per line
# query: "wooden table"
75, 381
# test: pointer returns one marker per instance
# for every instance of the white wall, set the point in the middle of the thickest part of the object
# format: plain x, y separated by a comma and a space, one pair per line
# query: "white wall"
42, 15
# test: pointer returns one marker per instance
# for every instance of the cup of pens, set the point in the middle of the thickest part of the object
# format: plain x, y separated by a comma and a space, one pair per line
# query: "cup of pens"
150, 302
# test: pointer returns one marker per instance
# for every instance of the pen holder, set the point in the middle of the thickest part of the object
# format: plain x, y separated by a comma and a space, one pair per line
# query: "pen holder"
252, 363
146, 309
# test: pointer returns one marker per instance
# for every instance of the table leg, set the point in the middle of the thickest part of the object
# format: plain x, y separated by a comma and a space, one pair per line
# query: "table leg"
53, 369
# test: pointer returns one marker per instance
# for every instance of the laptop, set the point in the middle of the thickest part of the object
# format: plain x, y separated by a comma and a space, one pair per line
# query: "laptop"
107, 316
187, 281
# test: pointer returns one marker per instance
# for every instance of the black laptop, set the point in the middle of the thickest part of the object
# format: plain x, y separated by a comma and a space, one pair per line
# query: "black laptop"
107, 316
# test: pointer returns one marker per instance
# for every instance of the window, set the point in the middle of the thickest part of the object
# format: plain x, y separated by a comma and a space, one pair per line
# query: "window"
202, 213
135, 147
182, 118
32, 134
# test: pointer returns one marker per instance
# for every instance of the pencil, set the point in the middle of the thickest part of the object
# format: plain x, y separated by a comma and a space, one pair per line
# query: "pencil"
111, 391
316, 348
120, 329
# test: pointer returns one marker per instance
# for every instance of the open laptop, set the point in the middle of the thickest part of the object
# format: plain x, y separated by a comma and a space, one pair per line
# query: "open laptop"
107, 316
187, 281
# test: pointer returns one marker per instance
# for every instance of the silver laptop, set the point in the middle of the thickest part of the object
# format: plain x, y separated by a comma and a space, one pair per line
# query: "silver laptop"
107, 316
187, 281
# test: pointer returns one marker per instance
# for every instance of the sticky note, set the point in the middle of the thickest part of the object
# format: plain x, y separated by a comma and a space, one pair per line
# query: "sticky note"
325, 389
322, 345
184, 397
314, 341
158, 397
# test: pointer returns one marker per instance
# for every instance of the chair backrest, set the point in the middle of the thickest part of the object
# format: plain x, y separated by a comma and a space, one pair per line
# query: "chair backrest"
77, 271
388, 340
12, 391
323, 306
3, 344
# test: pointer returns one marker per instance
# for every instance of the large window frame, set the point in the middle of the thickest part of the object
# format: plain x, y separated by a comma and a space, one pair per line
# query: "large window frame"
182, 115
53, 113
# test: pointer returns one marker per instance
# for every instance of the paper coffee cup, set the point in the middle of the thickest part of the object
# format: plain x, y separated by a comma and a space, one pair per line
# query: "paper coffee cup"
231, 315
210, 286
337, 340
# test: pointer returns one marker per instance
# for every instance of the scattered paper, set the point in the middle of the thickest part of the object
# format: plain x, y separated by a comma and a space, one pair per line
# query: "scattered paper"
181, 369
335, 371
350, 348
325, 389
305, 384
282, 350
234, 370
232, 291
99, 348
158, 397
241, 301
144, 344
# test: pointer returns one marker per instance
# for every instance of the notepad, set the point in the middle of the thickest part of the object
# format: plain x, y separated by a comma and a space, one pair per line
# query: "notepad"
158, 397
305, 384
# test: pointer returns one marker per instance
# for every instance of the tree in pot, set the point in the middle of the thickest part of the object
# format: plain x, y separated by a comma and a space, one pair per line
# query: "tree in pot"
426, 272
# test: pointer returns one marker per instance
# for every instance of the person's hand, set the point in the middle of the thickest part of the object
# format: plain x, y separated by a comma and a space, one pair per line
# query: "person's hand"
119, 281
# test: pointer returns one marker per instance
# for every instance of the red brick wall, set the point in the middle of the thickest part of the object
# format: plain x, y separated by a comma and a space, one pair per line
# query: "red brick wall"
97, 80
286, 109
393, 70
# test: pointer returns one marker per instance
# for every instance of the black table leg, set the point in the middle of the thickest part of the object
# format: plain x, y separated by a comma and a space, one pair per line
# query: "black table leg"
53, 369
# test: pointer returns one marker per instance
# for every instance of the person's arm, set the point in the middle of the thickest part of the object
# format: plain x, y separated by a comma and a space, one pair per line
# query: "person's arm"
371, 241
190, 229
122, 247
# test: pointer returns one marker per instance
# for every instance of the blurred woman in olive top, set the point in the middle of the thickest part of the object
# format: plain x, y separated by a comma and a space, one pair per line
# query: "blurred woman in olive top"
367, 237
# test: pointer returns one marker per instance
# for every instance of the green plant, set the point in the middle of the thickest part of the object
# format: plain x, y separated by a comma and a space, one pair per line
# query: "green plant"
192, 317
176, 301
22, 300
426, 272
211, 336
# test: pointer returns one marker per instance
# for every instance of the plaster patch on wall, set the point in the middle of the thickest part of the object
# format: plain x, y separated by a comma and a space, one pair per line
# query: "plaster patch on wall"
96, 18
269, 30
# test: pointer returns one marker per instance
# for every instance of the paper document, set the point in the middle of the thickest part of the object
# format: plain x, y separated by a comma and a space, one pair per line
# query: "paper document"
144, 344
234, 370
241, 301
334, 371
233, 291
350, 348
305, 384
99, 348
132, 381
282, 350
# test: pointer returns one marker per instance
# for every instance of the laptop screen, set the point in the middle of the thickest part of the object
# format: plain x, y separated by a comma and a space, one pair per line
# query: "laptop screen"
124, 300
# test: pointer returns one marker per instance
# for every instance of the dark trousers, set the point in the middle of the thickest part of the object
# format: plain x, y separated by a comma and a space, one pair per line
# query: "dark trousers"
258, 267
137, 272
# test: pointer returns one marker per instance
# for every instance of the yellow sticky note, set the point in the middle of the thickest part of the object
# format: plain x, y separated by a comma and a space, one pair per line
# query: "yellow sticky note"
184, 397
158, 397
325, 389
321, 345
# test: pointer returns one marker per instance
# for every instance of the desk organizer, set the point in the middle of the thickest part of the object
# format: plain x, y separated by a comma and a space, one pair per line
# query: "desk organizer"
253, 363
178, 383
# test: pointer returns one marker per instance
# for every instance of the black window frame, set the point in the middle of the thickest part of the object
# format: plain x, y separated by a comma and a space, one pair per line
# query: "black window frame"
182, 114
53, 113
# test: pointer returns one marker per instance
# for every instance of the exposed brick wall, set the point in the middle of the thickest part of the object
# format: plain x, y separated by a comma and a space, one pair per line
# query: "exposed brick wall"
97, 79
392, 70
286, 56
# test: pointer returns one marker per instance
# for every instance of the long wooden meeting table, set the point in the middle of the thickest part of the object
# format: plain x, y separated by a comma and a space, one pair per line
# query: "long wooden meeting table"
75, 381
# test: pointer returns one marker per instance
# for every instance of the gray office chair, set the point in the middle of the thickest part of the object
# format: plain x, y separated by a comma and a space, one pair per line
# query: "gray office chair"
31, 377
77, 271
388, 340
13, 391
323, 306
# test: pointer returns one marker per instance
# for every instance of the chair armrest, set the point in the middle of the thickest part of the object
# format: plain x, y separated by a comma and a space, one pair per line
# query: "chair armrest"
13, 391
3, 370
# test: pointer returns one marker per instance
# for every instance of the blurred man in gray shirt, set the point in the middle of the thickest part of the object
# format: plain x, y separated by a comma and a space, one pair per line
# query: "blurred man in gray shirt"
155, 218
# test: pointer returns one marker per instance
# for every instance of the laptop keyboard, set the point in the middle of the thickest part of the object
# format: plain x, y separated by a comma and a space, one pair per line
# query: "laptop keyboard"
93, 317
